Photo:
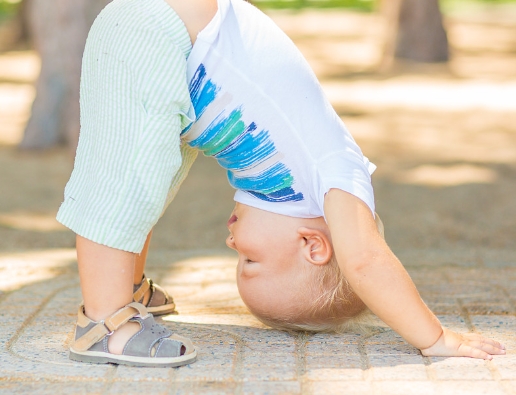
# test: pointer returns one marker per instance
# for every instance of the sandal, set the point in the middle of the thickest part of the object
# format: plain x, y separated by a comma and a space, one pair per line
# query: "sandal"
153, 346
160, 302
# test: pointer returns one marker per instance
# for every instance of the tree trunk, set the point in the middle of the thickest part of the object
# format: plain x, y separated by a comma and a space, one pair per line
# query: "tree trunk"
415, 31
59, 31
23, 21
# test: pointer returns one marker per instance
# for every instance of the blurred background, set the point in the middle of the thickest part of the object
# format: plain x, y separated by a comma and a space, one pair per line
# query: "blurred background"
427, 87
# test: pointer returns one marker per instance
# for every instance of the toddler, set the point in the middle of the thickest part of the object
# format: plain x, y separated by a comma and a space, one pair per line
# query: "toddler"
310, 253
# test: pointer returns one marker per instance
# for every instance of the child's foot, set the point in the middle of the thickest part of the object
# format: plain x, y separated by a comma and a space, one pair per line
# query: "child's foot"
130, 336
119, 338
155, 298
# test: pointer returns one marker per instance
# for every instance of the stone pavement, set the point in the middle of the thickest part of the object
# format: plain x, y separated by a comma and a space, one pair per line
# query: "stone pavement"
238, 355
445, 188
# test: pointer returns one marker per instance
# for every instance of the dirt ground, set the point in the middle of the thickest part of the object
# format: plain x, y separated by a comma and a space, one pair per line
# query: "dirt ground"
443, 138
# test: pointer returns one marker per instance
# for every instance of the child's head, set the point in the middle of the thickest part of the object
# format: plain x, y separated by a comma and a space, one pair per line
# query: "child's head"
287, 274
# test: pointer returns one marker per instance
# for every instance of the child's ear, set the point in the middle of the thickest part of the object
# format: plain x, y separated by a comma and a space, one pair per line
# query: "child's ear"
315, 245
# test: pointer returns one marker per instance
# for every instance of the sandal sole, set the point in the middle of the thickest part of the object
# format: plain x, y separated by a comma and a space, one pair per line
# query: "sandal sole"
162, 310
103, 358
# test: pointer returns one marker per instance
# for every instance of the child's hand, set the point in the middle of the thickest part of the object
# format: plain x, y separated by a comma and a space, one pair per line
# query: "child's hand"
472, 345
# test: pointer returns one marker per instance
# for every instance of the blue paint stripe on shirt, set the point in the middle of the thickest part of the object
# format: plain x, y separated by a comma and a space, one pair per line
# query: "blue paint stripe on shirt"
238, 146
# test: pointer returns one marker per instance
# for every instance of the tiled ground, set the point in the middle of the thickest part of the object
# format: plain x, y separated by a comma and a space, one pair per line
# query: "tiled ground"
237, 355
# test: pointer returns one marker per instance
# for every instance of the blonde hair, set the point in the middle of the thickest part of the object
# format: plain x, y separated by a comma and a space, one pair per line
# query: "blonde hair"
334, 294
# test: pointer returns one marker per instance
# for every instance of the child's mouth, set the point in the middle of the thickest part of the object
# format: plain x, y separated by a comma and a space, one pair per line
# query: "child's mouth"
232, 220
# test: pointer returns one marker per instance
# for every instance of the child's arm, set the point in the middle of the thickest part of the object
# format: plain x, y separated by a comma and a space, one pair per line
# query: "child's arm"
380, 280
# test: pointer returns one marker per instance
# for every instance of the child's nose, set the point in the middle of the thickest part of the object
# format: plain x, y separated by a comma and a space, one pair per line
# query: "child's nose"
230, 242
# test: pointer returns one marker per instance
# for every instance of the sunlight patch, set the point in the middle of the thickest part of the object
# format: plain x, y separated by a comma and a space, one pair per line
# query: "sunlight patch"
20, 66
15, 102
411, 93
443, 176
23, 268
25, 220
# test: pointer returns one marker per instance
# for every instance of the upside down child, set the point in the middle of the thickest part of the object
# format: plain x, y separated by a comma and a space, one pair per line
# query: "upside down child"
164, 80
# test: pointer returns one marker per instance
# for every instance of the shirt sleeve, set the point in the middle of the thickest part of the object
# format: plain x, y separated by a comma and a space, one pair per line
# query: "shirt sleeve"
134, 104
348, 171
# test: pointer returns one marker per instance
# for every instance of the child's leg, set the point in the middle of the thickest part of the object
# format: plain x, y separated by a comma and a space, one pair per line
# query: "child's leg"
106, 276
156, 299
140, 260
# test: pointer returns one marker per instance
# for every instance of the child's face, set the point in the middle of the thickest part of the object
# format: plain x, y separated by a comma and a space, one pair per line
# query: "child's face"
272, 275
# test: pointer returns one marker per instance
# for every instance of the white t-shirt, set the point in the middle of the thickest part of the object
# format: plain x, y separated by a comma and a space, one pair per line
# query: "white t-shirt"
261, 113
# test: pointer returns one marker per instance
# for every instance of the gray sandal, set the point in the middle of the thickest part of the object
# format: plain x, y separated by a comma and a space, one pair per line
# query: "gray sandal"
153, 346
160, 302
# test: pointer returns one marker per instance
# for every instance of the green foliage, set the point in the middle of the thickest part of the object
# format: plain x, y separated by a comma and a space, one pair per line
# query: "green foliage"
8, 8
362, 5
466, 2
451, 6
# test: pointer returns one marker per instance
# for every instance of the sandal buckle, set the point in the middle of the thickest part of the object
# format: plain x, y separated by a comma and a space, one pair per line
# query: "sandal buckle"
110, 332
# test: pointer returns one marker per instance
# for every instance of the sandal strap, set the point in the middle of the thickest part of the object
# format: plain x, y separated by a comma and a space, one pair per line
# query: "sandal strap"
145, 285
189, 347
107, 326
